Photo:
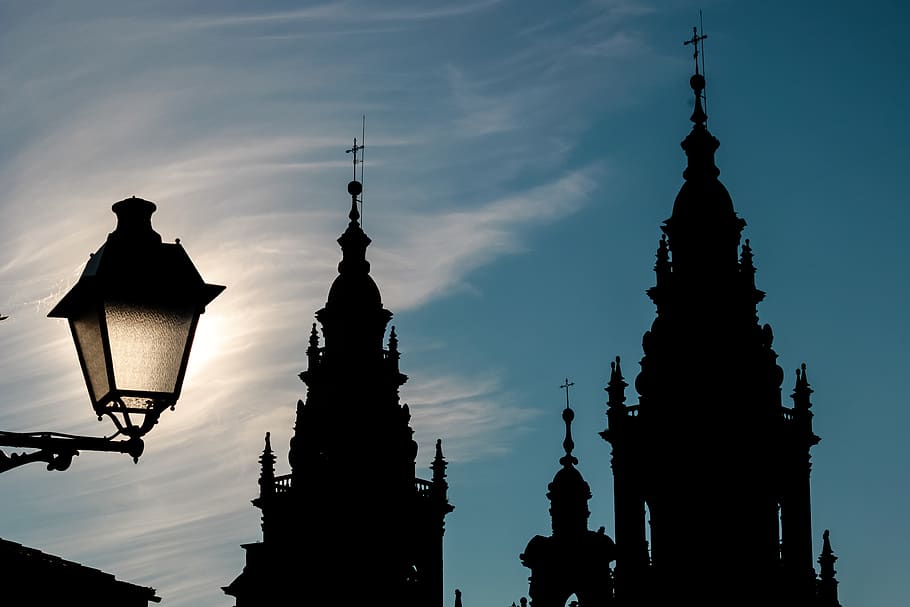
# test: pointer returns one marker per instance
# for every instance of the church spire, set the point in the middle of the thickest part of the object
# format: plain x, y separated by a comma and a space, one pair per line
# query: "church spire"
703, 232
569, 492
354, 241
700, 145
353, 319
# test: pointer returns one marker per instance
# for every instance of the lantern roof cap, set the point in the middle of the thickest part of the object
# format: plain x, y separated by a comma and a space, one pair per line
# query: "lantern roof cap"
134, 263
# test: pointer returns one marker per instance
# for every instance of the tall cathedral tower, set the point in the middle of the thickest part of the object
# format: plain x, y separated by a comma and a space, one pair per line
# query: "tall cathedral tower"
711, 469
352, 522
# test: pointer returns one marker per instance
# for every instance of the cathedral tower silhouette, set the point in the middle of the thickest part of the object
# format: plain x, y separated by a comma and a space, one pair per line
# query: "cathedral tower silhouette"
352, 522
710, 468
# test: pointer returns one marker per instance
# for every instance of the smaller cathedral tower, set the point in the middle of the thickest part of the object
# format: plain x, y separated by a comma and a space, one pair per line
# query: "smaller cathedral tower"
352, 515
573, 559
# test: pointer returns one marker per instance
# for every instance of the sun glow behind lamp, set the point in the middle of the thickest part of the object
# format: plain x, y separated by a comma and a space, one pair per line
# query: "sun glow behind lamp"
133, 314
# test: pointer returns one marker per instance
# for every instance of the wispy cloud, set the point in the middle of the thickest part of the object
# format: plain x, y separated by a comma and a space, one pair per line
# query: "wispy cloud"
436, 253
479, 114
475, 419
345, 11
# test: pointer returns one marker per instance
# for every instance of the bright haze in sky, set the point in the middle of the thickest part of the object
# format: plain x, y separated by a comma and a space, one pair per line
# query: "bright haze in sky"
520, 157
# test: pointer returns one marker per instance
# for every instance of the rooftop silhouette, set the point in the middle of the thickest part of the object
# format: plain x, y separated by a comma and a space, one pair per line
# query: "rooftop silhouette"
52, 580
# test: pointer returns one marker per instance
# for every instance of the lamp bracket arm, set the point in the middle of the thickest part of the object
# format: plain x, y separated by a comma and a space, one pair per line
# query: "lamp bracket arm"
57, 450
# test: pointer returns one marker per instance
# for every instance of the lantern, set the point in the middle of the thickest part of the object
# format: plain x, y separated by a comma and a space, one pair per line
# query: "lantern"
133, 314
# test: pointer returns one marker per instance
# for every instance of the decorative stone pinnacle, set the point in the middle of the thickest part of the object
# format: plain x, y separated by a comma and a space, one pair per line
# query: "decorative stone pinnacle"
616, 388
267, 460
393, 340
802, 391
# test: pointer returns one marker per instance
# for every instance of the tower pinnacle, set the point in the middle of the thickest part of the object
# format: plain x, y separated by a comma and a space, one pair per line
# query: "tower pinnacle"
354, 241
827, 584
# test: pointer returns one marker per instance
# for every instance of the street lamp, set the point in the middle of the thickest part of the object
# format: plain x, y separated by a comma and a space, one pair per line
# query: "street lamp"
133, 314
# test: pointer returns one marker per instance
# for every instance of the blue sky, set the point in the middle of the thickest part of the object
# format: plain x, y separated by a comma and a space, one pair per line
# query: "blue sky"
520, 158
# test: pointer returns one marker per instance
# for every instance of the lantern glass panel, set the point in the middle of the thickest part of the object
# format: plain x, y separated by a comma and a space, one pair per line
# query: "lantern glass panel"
147, 345
86, 329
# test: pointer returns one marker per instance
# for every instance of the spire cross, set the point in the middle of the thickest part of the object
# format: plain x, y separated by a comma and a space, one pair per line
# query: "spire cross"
566, 387
354, 149
694, 41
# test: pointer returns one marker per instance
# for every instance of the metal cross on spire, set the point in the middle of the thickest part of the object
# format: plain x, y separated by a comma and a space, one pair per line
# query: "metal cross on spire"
354, 149
566, 387
694, 41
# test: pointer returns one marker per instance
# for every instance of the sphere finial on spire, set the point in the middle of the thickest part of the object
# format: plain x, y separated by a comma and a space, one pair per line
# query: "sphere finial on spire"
567, 416
354, 189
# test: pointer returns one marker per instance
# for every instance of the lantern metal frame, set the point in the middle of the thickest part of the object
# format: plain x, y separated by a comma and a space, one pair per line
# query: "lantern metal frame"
133, 268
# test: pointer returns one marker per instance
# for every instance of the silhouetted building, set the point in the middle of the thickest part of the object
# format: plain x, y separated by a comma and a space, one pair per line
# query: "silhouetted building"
31, 577
711, 469
352, 514
574, 559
